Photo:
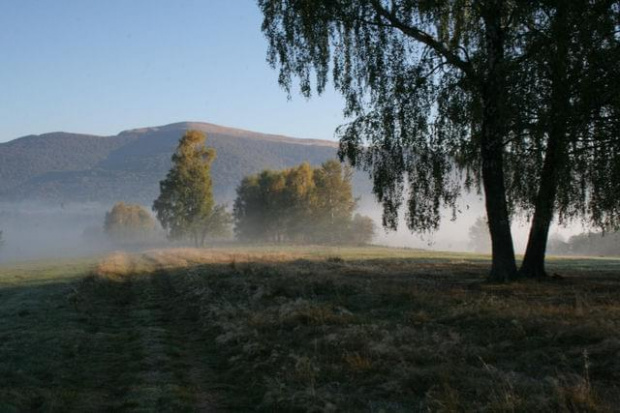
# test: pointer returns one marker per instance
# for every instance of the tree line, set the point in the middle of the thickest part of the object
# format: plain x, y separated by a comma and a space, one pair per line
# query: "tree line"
302, 205
588, 244
519, 100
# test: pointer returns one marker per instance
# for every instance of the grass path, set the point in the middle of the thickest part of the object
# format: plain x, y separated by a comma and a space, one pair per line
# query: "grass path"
174, 373
86, 345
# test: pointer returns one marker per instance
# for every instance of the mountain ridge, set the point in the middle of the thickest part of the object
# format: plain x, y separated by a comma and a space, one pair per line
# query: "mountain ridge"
231, 131
72, 167
206, 127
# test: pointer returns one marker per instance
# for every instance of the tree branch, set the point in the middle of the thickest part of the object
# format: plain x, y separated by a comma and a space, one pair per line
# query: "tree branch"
425, 38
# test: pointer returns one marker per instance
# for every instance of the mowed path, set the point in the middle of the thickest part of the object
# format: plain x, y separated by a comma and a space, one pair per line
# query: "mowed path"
123, 342
119, 334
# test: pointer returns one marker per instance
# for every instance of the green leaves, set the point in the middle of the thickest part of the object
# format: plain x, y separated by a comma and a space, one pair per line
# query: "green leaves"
129, 223
300, 204
400, 66
185, 207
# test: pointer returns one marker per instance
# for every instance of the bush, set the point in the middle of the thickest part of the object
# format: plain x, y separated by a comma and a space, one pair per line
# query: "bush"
129, 223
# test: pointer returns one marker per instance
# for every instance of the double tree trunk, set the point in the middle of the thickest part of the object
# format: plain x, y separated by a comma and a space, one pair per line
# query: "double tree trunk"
534, 260
493, 90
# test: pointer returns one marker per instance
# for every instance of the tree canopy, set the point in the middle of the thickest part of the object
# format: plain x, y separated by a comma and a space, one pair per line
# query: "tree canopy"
129, 223
185, 206
300, 204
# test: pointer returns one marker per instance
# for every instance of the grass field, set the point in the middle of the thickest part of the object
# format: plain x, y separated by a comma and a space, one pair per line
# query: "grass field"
306, 329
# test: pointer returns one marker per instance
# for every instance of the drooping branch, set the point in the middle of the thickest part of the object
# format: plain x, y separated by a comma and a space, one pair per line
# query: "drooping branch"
423, 37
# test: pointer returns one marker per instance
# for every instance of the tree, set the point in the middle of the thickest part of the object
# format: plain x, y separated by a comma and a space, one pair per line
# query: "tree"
185, 207
276, 205
300, 204
426, 83
557, 245
129, 223
575, 116
479, 239
334, 202
362, 230
218, 225
444, 94
595, 243
249, 223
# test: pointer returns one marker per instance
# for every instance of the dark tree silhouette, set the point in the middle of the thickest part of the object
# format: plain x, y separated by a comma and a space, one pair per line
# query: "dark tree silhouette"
443, 97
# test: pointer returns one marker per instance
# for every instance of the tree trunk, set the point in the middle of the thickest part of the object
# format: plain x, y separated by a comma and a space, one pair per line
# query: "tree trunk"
504, 267
493, 90
534, 260
533, 265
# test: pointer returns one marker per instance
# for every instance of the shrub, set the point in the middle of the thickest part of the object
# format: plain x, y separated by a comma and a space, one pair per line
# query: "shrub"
129, 223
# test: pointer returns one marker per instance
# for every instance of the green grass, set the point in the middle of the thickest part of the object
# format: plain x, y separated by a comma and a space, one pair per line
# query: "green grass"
306, 329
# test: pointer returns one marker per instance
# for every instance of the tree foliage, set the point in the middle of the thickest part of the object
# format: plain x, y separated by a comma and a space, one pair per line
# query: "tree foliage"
594, 243
425, 84
362, 230
300, 204
564, 159
129, 223
185, 206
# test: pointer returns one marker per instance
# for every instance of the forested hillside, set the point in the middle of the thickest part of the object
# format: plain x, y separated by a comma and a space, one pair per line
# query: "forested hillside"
62, 167
33, 156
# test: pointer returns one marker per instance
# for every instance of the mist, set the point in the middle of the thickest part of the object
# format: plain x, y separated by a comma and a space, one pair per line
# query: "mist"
33, 230
36, 230
453, 233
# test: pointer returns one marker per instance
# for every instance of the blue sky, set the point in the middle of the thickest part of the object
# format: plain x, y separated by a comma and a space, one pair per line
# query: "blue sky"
104, 66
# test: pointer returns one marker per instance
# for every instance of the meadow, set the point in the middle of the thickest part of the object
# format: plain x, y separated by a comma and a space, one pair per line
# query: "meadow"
306, 329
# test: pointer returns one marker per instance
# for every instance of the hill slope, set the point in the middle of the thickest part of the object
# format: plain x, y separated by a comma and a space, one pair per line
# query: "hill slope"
63, 167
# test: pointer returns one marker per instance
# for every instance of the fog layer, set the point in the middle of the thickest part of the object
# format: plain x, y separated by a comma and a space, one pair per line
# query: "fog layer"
37, 230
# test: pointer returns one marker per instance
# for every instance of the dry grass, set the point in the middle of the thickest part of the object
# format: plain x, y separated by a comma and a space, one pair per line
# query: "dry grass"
410, 334
371, 329
122, 264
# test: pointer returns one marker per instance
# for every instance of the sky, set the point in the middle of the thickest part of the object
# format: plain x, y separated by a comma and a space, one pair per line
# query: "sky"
100, 67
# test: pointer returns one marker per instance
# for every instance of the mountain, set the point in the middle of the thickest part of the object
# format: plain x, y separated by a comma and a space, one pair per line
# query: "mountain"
66, 167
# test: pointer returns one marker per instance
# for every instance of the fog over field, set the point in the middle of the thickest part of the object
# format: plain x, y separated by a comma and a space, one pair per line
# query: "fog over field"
453, 234
34, 230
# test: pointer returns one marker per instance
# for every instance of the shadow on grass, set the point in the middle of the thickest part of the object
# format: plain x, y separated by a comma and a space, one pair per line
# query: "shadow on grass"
167, 332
